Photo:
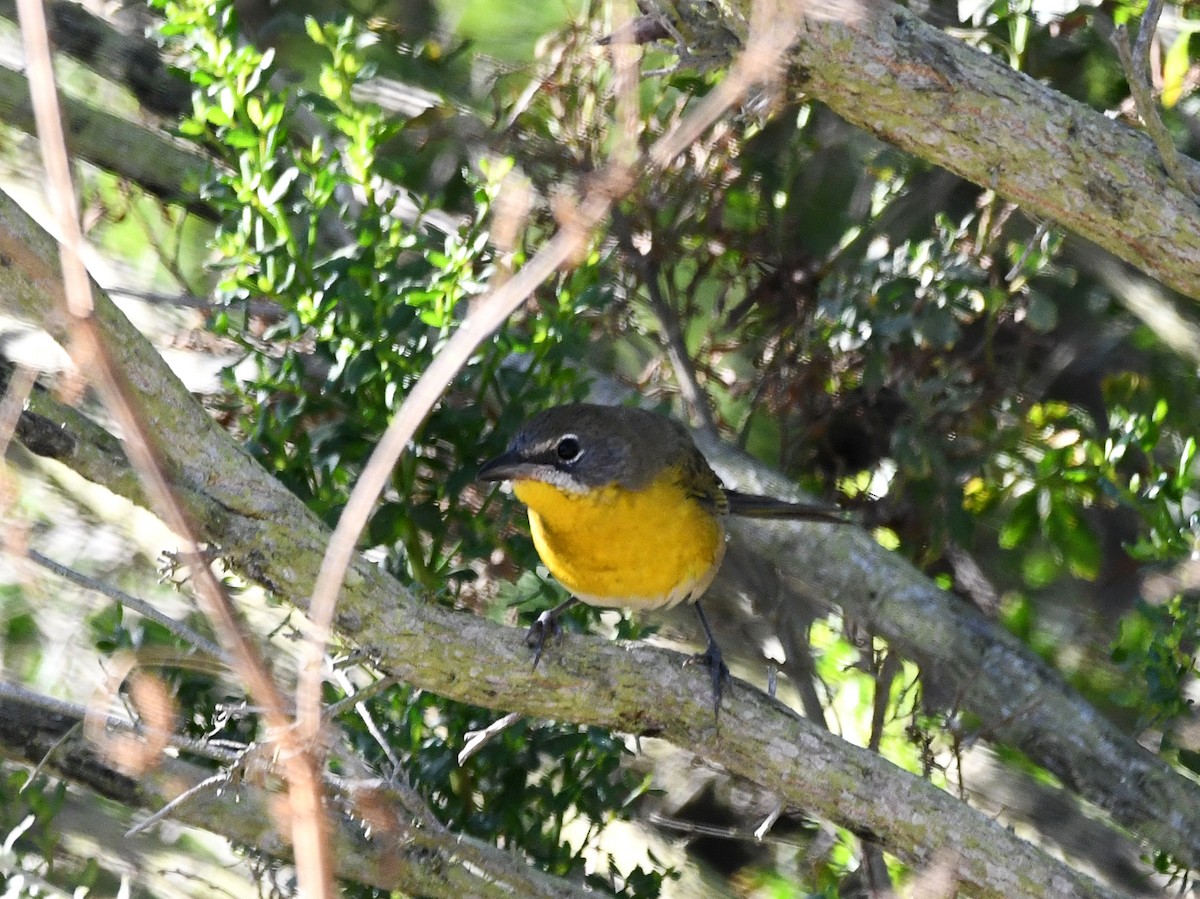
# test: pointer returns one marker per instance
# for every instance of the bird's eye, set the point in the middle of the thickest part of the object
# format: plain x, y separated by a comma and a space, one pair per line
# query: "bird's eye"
568, 448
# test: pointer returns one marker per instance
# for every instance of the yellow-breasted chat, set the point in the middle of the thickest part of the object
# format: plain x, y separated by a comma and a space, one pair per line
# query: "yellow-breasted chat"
625, 512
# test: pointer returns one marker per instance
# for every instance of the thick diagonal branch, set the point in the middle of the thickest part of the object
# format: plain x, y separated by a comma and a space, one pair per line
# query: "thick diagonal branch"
935, 96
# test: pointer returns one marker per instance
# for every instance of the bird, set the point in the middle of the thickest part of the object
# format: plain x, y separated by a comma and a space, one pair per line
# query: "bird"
626, 512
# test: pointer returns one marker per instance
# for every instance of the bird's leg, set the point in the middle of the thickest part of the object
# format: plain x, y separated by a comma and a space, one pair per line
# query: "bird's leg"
546, 625
716, 663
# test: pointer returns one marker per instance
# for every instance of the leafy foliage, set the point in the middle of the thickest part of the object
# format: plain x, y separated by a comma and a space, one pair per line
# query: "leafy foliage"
366, 296
27, 823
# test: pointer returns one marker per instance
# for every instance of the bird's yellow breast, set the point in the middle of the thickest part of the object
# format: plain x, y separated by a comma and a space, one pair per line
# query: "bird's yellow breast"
617, 547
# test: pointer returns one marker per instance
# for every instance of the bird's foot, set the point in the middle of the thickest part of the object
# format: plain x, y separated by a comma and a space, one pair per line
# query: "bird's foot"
545, 626
718, 671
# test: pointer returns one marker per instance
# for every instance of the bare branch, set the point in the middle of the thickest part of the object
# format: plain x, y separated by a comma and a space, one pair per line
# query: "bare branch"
391, 855
334, 709
477, 739
169, 808
1137, 73
92, 356
143, 608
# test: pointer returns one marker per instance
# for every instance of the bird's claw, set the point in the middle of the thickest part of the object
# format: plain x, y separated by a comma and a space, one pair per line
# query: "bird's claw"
718, 671
545, 626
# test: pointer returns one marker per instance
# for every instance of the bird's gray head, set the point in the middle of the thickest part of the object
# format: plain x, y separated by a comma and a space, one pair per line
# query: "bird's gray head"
582, 446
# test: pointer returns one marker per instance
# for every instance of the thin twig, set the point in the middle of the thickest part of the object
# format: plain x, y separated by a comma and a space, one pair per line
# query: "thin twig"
190, 793
681, 362
20, 383
725, 833
335, 709
37, 769
143, 608
886, 676
1136, 64
372, 728
760, 832
314, 864
1145, 37
477, 739
201, 748
1042, 229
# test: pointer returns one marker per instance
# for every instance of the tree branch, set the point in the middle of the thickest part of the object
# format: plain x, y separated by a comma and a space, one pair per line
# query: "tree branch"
940, 99
133, 62
1025, 702
383, 852
161, 164
1136, 63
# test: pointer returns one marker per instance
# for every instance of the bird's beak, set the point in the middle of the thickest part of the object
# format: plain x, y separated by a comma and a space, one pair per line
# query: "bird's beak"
506, 467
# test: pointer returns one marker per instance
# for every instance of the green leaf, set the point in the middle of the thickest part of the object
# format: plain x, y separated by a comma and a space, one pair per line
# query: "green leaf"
1041, 313
387, 525
361, 368
1174, 71
254, 111
283, 182
1190, 759
1074, 539
215, 115
1022, 522
331, 85
315, 32
1183, 474
1040, 568
240, 139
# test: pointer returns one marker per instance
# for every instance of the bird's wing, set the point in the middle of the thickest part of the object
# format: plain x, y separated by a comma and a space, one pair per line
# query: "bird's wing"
751, 505
702, 482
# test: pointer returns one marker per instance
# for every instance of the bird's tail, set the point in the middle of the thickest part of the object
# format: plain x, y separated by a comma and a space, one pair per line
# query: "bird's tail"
751, 505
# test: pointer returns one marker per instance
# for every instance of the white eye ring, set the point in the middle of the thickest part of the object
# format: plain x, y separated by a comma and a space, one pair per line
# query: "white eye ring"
568, 448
